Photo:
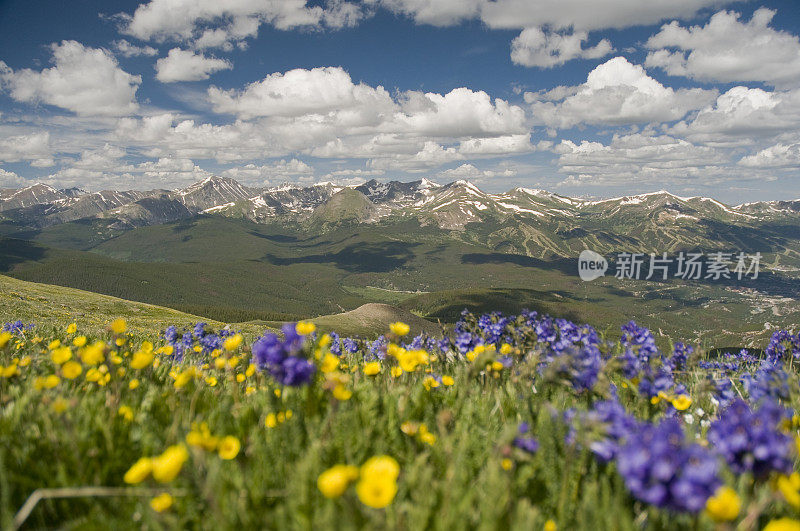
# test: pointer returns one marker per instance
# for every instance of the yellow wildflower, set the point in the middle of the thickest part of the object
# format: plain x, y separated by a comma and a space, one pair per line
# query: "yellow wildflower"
233, 342
93, 354
168, 465
61, 355
681, 403
789, 487
430, 382
162, 502
141, 359
342, 393
60, 405
724, 505
133, 384
448, 380
184, 378
229, 447
334, 481
506, 464
5, 337
409, 428
79, 341
71, 370
783, 524
425, 436
125, 412
271, 421
139, 471
372, 368
399, 328
378, 484
118, 326
329, 363
72, 328
304, 328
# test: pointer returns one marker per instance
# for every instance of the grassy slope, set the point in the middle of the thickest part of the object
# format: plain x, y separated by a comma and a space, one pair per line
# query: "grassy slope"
47, 305
369, 318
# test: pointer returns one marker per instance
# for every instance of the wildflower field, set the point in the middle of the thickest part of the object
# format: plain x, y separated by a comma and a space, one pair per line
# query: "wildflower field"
508, 422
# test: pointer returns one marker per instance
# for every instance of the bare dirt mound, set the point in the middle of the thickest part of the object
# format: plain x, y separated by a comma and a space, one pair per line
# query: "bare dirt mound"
373, 319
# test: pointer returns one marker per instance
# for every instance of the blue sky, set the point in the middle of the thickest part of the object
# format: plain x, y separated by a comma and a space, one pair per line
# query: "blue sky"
581, 97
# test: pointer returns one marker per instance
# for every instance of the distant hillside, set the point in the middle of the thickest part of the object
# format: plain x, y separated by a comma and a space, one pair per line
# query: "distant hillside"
373, 319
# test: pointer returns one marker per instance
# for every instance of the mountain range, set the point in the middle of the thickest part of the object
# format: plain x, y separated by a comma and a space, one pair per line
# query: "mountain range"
525, 221
234, 253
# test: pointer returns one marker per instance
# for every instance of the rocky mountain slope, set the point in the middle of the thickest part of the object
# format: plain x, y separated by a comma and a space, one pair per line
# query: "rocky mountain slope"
525, 221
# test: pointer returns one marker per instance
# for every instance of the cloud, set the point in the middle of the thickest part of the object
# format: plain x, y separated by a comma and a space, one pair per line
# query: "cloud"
429, 156
9, 179
741, 115
777, 156
641, 158
327, 96
100, 159
163, 173
126, 49
435, 13
282, 170
557, 14
323, 113
534, 47
460, 112
727, 50
617, 93
471, 173
185, 65
586, 14
298, 92
166, 135
86, 81
235, 20
496, 146
34, 147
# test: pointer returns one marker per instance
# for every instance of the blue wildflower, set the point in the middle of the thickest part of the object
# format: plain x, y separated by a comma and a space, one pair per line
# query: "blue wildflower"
751, 440
660, 468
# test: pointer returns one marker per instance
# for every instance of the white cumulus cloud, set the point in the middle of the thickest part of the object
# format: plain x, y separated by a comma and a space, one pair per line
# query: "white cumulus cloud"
212, 23
618, 93
87, 81
727, 50
640, 158
777, 156
126, 49
185, 65
741, 115
33, 147
534, 47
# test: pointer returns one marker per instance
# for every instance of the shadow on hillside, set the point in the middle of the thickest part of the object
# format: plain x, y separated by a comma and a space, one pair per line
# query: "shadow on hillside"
448, 305
568, 266
277, 238
361, 258
13, 251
